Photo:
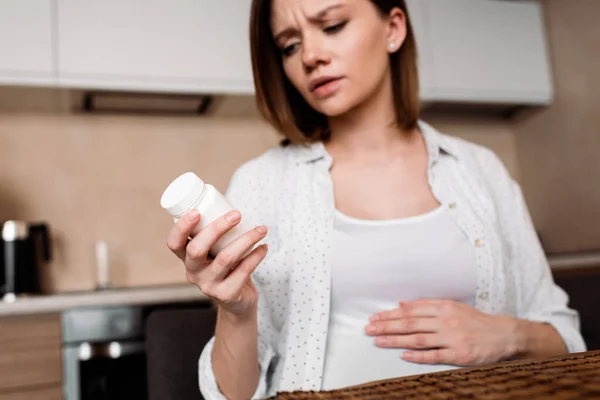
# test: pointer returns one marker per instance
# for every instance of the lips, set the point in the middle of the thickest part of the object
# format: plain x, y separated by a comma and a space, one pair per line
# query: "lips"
321, 81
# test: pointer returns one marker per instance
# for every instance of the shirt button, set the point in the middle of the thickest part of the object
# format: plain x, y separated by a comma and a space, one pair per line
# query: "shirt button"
479, 242
483, 296
452, 206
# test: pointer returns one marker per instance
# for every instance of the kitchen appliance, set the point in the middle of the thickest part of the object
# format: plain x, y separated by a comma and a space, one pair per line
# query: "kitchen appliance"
103, 353
104, 349
25, 251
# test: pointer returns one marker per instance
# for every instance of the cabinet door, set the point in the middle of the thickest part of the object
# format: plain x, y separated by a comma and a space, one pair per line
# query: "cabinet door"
155, 45
26, 42
30, 353
491, 51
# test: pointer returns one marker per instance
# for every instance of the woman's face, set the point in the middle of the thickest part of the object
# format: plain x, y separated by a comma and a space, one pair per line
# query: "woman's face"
336, 52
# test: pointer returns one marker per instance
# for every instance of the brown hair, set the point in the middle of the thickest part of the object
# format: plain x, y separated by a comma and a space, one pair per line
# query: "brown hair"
285, 108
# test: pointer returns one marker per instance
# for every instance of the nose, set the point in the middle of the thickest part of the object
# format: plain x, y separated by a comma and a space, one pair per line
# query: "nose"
314, 53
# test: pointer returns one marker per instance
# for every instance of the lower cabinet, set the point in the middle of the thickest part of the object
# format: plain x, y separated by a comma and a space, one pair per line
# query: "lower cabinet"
30, 357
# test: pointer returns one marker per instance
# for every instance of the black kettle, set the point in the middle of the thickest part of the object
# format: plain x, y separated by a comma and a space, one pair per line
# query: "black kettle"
24, 250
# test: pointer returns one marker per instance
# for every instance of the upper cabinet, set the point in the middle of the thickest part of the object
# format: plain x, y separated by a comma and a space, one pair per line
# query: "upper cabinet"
155, 45
26, 42
483, 51
488, 51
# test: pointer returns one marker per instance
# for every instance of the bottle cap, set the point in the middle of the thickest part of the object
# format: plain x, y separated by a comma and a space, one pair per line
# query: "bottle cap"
182, 194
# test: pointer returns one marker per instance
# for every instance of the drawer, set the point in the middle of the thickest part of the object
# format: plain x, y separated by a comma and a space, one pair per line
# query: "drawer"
30, 352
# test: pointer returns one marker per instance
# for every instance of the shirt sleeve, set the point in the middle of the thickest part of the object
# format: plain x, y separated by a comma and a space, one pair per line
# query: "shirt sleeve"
240, 194
539, 298
208, 383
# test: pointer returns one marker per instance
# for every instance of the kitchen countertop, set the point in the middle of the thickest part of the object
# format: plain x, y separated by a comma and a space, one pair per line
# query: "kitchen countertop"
187, 293
112, 297
574, 260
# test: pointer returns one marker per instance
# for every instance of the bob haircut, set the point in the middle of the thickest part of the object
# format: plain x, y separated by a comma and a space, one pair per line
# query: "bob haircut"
285, 108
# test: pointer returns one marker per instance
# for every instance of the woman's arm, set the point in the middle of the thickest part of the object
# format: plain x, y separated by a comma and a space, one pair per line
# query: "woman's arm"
535, 339
240, 346
538, 299
235, 354
541, 303
450, 332
236, 362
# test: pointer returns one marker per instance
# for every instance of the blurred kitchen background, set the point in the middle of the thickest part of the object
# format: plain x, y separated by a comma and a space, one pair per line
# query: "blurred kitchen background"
102, 104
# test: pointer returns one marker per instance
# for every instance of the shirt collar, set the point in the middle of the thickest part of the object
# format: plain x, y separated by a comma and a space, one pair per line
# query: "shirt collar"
312, 152
436, 143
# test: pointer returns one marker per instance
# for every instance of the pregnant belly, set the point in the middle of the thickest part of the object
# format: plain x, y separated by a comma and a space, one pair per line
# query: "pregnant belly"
352, 358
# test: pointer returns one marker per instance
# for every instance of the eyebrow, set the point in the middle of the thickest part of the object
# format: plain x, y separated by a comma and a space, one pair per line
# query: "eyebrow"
287, 32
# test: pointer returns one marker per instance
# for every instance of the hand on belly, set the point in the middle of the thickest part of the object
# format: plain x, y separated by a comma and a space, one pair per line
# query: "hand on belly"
444, 332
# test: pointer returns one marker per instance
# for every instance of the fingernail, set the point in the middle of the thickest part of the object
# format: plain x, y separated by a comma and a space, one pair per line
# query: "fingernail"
232, 216
370, 329
373, 318
408, 354
379, 340
192, 215
261, 229
266, 247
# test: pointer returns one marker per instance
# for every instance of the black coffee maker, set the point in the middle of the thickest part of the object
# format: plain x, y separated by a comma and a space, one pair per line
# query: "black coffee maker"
24, 251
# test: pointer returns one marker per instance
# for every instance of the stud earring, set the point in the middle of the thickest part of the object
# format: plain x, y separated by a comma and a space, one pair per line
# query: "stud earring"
391, 46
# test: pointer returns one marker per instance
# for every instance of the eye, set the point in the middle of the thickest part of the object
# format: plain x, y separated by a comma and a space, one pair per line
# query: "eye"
289, 50
335, 28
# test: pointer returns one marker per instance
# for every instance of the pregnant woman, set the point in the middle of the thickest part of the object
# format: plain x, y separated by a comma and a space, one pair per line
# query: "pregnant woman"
393, 249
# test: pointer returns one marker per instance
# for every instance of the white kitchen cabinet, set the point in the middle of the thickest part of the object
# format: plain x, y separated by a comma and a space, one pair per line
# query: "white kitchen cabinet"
26, 42
198, 46
470, 51
482, 51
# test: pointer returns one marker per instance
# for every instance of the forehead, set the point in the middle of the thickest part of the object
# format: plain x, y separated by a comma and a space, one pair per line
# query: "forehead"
285, 12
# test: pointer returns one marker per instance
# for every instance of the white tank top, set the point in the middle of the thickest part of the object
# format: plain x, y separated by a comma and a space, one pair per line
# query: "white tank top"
377, 264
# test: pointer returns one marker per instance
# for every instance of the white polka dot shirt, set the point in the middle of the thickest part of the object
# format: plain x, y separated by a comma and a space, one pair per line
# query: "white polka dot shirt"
289, 189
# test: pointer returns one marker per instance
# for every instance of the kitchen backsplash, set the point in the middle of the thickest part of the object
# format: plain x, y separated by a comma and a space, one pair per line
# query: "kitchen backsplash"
100, 177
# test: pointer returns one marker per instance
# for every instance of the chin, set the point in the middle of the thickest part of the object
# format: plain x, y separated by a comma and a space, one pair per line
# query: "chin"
334, 106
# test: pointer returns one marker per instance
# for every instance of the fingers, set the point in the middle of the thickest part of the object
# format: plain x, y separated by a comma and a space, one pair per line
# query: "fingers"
417, 341
230, 256
198, 248
230, 288
403, 326
437, 356
177, 239
418, 308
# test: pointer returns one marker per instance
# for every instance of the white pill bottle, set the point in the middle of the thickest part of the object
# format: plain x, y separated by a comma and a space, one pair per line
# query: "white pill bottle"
187, 192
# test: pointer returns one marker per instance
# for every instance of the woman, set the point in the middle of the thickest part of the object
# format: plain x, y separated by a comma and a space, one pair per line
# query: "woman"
393, 249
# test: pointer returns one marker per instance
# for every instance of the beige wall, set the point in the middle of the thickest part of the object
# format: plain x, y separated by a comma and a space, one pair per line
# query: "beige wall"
559, 147
100, 177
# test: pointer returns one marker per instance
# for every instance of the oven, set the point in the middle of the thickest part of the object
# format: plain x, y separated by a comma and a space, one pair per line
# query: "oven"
103, 353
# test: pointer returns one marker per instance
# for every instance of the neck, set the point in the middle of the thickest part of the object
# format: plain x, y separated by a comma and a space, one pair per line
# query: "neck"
370, 127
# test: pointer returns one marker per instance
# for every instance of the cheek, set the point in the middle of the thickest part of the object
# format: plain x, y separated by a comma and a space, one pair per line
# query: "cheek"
366, 60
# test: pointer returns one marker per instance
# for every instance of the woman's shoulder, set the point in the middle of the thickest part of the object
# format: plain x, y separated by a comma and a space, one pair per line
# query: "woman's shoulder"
260, 181
475, 157
265, 163
275, 162
478, 164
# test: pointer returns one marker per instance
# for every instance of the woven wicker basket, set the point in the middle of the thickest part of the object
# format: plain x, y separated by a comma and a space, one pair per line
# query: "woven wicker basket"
576, 376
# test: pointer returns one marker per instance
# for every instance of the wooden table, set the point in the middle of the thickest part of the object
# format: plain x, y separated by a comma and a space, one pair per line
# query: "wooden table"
576, 376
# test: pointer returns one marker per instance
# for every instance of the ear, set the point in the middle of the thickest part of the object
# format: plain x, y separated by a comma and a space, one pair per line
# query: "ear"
396, 32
